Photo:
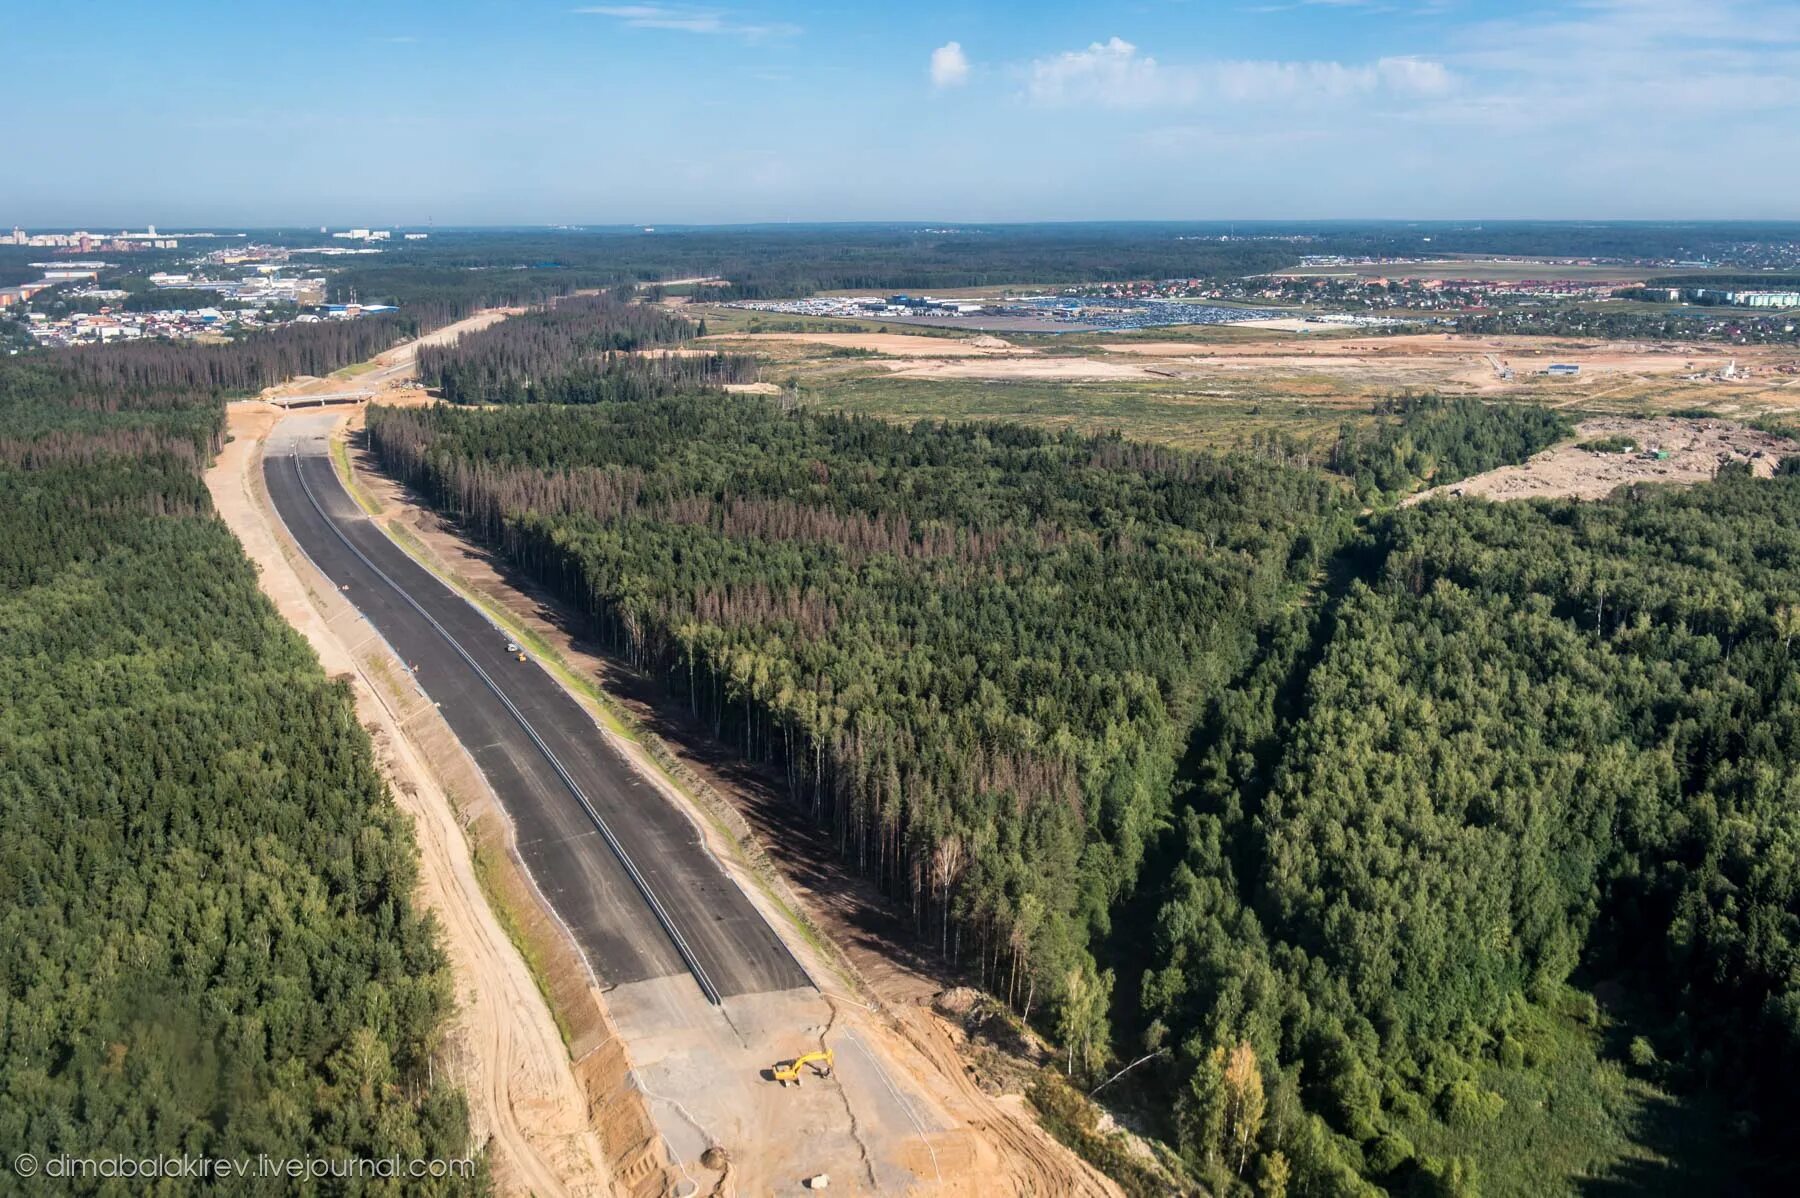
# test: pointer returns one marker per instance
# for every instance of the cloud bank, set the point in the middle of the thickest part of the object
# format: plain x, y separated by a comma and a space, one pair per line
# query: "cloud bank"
1112, 74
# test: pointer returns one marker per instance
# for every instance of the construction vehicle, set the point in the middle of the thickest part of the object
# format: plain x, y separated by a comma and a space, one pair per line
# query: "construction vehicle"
791, 1071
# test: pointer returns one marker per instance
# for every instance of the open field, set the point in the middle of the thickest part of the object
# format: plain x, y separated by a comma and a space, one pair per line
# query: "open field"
1169, 415
745, 320
1216, 385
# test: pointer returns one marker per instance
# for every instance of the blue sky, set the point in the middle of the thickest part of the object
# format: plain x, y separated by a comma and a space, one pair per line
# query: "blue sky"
476, 112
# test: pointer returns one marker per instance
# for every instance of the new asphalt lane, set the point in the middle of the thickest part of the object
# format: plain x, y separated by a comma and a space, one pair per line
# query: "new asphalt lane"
624, 869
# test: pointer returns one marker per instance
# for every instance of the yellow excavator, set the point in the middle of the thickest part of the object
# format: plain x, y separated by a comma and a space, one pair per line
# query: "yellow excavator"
790, 1071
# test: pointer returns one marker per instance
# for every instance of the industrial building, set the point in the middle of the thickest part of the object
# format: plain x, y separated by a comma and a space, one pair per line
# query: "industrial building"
1748, 299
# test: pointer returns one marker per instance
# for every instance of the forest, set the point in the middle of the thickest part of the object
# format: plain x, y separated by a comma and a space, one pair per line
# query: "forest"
209, 938
1428, 438
1344, 820
582, 349
456, 272
1527, 746
973, 651
453, 274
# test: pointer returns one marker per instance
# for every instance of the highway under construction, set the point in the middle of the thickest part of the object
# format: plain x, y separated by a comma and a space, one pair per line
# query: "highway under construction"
624, 870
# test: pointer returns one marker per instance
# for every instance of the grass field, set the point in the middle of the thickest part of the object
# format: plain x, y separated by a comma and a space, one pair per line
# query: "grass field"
1146, 412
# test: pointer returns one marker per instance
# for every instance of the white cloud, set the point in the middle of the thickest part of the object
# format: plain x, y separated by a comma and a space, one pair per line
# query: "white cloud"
682, 19
1109, 73
1112, 74
949, 65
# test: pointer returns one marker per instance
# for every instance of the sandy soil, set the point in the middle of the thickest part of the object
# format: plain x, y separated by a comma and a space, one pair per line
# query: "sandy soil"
1294, 324
1068, 370
901, 345
917, 1121
503, 1047
1696, 449
1359, 362
1326, 362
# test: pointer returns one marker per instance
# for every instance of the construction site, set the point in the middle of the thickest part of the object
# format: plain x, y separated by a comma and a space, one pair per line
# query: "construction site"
844, 1072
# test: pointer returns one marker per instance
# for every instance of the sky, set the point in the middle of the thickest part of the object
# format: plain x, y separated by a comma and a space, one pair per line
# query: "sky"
482, 112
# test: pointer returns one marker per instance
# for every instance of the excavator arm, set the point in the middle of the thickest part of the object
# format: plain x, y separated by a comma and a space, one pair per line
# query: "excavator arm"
790, 1071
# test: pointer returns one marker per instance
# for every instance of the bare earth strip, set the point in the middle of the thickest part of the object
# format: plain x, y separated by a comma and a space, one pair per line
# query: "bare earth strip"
1072, 370
900, 345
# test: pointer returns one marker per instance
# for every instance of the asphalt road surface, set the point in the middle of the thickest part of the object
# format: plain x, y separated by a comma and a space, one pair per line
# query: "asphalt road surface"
624, 869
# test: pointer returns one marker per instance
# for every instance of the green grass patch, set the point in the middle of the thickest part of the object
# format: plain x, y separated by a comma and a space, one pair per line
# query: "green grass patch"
340, 458
487, 862
745, 320
1169, 413
1552, 1114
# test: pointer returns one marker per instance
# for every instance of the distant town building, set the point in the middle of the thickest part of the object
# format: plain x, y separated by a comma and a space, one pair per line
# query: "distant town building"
1748, 299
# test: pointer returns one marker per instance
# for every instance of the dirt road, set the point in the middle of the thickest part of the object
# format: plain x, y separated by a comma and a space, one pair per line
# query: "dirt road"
386, 370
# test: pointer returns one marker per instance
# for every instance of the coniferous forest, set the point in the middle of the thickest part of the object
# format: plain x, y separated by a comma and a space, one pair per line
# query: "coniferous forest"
208, 937
582, 349
1343, 820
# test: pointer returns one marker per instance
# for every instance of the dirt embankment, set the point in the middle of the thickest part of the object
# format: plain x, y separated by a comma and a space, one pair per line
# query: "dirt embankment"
1658, 450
